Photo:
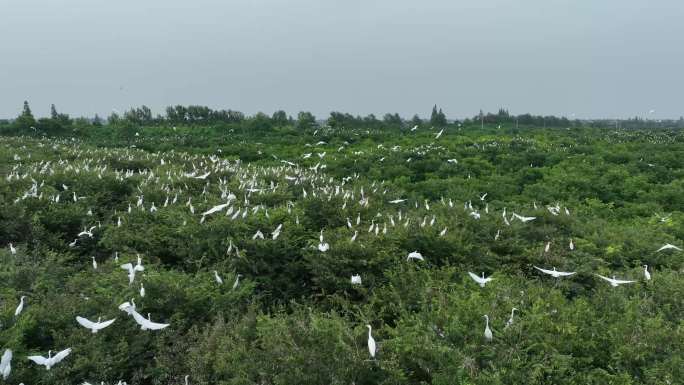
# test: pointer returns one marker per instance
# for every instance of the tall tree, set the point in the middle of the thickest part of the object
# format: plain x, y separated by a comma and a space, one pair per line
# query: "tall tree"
26, 119
437, 117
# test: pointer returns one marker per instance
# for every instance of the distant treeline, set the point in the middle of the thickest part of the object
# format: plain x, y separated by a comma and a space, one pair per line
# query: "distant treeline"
63, 124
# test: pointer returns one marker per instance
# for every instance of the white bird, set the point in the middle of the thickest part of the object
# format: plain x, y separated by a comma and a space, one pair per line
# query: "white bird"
415, 255
217, 278
613, 281
524, 219
554, 273
237, 281
6, 364
647, 275
510, 320
371, 342
414, 128
439, 134
488, 332
669, 247
142, 290
215, 209
397, 201
146, 323
94, 326
128, 307
20, 307
571, 245
482, 281
50, 361
94, 263
13, 250
132, 269
483, 196
356, 279
322, 245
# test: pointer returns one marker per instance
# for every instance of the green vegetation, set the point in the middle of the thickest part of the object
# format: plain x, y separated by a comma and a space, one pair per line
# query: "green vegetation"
295, 317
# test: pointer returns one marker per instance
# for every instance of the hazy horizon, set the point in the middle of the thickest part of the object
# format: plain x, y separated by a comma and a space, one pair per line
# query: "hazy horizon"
585, 60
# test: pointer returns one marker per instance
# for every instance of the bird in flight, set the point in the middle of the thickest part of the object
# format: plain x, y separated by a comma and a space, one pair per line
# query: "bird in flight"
482, 281
554, 273
613, 281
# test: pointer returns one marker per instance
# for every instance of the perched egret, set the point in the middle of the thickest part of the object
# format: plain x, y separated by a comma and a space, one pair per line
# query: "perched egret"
647, 275
94, 326
94, 263
371, 342
13, 250
356, 279
142, 290
237, 281
510, 320
6, 364
20, 307
487, 332
50, 361
482, 281
217, 278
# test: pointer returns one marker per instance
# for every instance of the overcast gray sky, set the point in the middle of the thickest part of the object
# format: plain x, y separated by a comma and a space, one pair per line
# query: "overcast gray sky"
590, 58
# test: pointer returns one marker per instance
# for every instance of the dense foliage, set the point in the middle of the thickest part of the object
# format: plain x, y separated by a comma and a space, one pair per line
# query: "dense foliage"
294, 317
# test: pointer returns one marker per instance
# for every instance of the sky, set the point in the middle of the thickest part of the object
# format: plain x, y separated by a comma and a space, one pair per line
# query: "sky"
574, 58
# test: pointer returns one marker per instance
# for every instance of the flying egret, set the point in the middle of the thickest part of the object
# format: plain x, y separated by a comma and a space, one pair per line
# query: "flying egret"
415, 255
647, 275
371, 342
554, 273
482, 281
20, 307
487, 332
668, 246
94, 326
146, 323
50, 361
510, 320
132, 270
6, 364
613, 281
128, 307
356, 279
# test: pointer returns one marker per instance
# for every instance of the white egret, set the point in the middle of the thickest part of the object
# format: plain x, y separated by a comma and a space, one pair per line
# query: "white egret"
554, 273
94, 326
482, 281
146, 323
487, 332
132, 270
371, 342
50, 361
356, 279
13, 250
6, 364
647, 275
415, 255
613, 281
668, 246
128, 307
94, 263
217, 278
322, 245
510, 320
20, 307
142, 290
237, 281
